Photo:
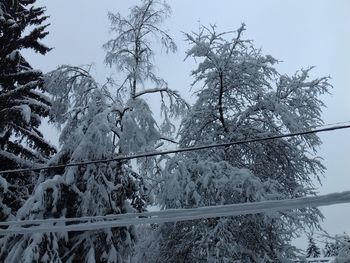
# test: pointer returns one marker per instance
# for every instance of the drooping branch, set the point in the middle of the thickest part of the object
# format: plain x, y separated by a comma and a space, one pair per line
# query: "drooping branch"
221, 93
141, 93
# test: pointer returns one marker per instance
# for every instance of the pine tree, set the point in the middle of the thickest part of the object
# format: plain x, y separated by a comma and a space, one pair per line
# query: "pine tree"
243, 96
312, 251
23, 103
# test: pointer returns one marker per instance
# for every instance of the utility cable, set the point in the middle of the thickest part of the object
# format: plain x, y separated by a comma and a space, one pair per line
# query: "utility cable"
187, 149
177, 215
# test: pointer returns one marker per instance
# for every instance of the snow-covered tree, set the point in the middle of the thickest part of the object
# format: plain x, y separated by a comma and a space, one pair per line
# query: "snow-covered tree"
80, 106
312, 251
242, 96
343, 244
338, 247
131, 52
330, 249
23, 103
99, 123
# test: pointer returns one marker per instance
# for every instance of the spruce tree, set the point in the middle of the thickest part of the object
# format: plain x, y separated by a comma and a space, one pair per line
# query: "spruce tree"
23, 103
312, 251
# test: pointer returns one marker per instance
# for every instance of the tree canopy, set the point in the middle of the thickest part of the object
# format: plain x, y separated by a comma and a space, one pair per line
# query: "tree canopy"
240, 94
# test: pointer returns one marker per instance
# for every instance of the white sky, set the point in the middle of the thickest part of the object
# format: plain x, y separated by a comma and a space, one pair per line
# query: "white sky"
301, 33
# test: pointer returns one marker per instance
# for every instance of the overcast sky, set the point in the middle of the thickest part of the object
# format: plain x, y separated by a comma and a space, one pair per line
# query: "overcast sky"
301, 33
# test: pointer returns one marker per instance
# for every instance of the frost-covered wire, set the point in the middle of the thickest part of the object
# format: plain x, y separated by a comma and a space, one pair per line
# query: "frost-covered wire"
170, 215
331, 124
187, 149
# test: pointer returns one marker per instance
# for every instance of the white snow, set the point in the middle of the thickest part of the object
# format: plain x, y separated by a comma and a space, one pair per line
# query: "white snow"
26, 112
174, 215
3, 184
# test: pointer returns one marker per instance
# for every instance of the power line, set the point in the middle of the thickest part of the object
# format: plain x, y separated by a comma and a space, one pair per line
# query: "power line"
329, 124
187, 149
174, 215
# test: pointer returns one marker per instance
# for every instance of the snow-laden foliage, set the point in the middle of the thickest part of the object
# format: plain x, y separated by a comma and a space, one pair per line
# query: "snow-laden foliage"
342, 243
89, 190
99, 122
242, 96
23, 103
192, 180
330, 249
312, 251
131, 51
69, 88
338, 247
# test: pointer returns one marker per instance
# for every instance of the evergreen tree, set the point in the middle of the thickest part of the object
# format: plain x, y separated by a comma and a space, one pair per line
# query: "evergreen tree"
243, 96
312, 251
22, 101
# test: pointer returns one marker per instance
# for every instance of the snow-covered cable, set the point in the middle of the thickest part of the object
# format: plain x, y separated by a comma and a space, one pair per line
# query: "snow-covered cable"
175, 215
331, 124
187, 149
